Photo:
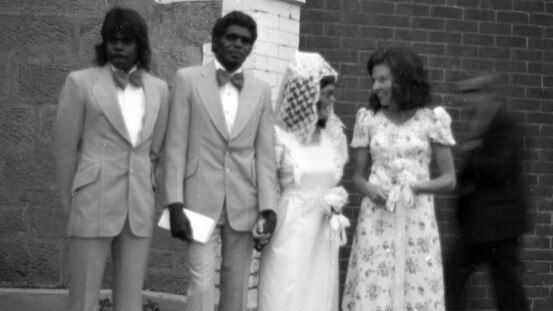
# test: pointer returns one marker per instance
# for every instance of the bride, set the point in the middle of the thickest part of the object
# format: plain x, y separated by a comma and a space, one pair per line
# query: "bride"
299, 267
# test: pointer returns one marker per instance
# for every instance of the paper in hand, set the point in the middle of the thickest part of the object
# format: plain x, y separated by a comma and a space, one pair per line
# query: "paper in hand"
202, 226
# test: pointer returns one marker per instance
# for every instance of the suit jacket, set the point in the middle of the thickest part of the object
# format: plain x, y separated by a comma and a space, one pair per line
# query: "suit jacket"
206, 166
103, 178
492, 201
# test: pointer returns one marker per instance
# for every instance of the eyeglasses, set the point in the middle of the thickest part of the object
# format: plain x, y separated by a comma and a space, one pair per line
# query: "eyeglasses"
234, 37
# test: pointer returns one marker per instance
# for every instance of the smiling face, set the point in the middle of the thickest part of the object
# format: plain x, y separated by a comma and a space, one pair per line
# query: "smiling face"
122, 52
383, 81
232, 49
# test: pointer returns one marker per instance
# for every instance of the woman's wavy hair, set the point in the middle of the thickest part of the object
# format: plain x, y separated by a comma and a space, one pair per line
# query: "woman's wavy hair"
126, 22
410, 88
237, 18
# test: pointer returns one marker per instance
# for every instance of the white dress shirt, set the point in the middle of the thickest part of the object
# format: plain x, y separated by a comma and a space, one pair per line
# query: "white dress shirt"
132, 102
229, 99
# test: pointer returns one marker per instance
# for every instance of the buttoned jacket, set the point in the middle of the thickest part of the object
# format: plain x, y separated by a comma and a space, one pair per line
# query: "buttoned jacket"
206, 166
103, 178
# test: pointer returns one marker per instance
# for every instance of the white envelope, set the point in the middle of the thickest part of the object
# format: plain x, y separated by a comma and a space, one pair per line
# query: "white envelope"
202, 226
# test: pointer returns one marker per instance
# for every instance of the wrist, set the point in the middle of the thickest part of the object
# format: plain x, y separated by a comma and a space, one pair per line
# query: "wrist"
175, 207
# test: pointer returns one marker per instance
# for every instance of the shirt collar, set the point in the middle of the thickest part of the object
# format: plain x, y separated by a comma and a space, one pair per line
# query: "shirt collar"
134, 68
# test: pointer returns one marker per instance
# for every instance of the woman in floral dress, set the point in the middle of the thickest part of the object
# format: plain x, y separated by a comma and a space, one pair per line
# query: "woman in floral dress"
396, 261
299, 267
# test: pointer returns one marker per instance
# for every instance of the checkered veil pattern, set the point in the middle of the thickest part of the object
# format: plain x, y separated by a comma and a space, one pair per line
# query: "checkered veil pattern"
297, 112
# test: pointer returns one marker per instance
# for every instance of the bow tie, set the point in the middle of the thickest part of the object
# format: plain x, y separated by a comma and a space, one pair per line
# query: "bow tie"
236, 79
121, 78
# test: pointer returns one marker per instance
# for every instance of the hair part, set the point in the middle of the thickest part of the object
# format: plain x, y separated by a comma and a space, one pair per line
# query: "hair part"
125, 22
327, 80
237, 18
410, 88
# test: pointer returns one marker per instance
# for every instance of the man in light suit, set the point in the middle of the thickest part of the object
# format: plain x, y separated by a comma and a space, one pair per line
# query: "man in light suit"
220, 163
109, 132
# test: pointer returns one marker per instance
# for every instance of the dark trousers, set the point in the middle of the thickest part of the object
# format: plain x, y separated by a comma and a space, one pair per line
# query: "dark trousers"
504, 265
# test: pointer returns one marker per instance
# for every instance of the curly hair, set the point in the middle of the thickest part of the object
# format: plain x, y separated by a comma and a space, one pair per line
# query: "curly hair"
128, 22
410, 88
237, 18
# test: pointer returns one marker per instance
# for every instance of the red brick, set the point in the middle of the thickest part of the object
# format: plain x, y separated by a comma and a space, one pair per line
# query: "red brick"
412, 9
461, 26
411, 35
428, 23
510, 42
445, 37
548, 81
377, 32
528, 31
479, 15
542, 304
333, 5
510, 65
529, 6
544, 44
468, 3
315, 4
332, 30
443, 62
393, 21
376, 7
461, 51
477, 39
446, 12
359, 44
491, 52
527, 55
321, 16
549, 7
429, 48
311, 29
495, 28
541, 19
319, 42
356, 18
499, 5
512, 17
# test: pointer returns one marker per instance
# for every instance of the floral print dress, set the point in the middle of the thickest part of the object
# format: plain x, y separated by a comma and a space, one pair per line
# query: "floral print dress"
396, 261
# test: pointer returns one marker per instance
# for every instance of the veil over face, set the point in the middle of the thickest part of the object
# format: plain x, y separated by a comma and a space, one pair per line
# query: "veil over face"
296, 110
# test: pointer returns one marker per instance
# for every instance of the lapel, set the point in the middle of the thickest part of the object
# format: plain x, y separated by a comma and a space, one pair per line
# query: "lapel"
210, 95
247, 99
151, 103
106, 97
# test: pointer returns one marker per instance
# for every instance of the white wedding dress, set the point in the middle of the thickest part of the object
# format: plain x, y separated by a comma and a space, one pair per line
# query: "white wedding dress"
299, 268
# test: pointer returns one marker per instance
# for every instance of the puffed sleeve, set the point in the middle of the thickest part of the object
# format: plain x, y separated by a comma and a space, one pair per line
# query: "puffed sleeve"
440, 129
361, 131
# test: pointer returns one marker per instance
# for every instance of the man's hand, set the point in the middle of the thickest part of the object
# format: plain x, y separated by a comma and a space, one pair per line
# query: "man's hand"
180, 224
264, 228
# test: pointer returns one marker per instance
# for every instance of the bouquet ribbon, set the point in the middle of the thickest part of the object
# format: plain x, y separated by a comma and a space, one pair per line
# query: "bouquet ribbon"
400, 199
338, 224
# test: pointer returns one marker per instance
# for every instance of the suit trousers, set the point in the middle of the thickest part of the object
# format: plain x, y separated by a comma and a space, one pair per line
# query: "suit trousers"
87, 264
504, 265
236, 252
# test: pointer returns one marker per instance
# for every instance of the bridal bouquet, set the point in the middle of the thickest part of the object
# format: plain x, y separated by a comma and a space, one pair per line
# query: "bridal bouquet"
403, 176
334, 201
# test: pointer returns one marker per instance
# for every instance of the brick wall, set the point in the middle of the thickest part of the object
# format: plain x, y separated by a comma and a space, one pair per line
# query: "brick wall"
40, 42
455, 38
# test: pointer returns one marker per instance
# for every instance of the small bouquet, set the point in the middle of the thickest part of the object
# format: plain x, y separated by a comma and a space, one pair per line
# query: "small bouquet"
334, 201
403, 176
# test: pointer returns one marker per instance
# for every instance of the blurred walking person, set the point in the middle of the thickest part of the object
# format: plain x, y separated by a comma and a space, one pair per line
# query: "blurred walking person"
491, 203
